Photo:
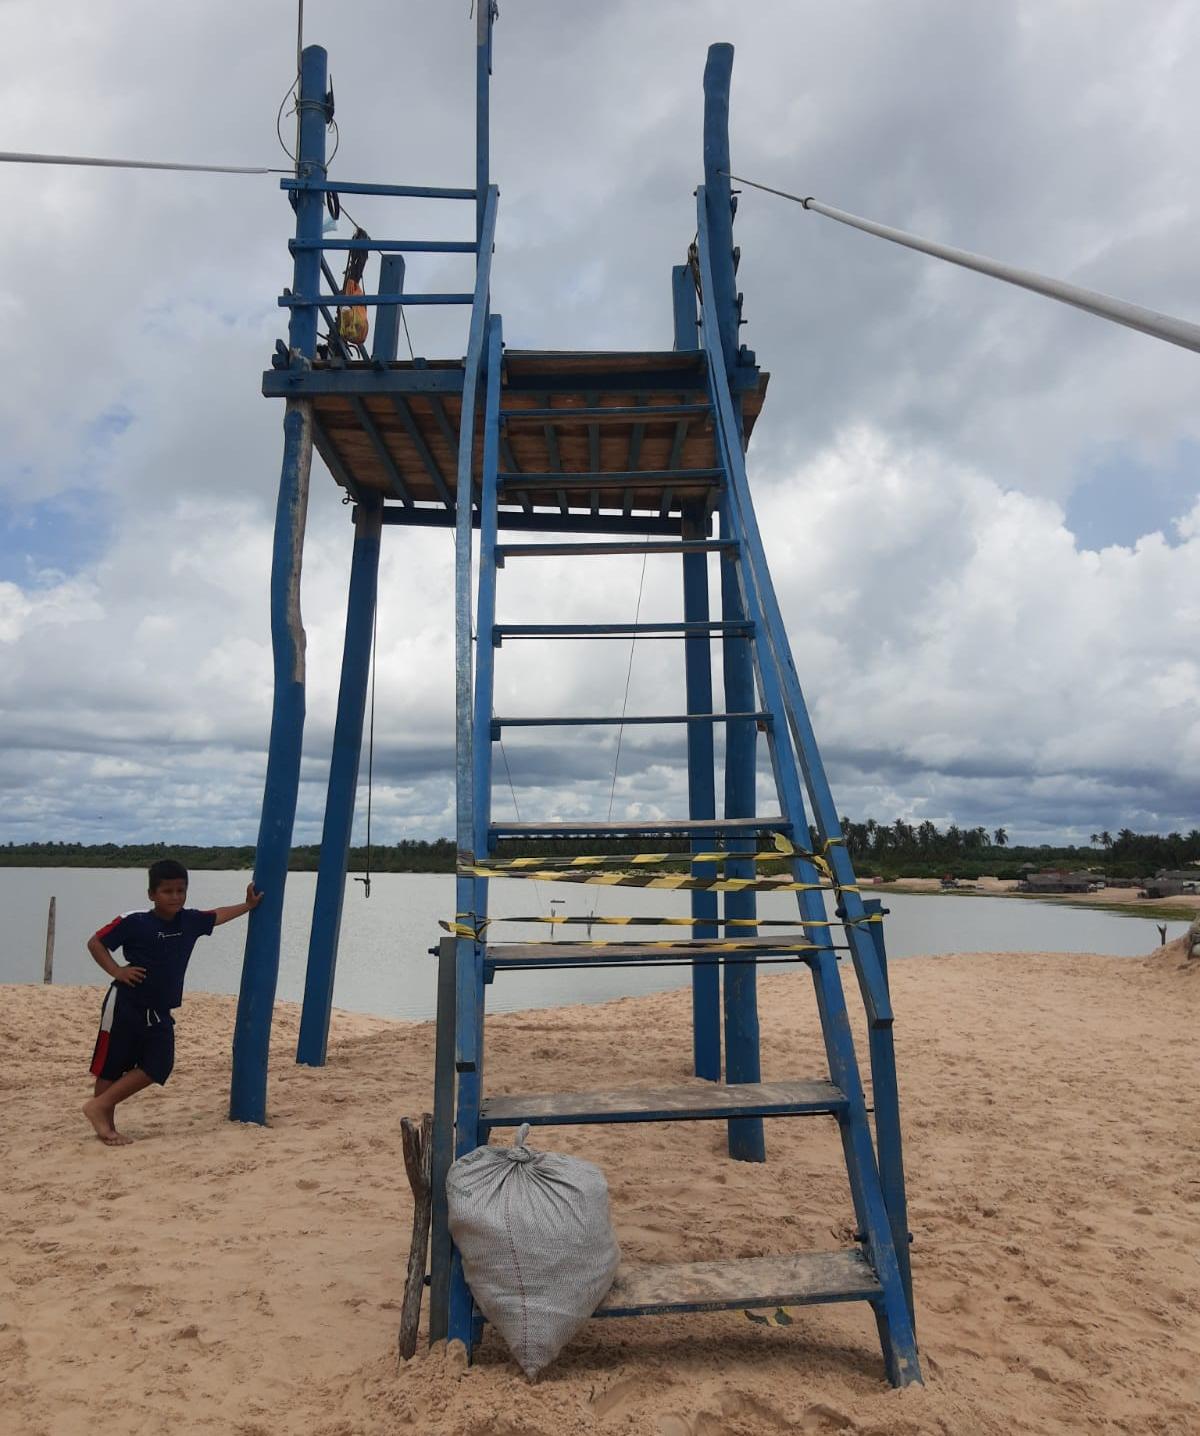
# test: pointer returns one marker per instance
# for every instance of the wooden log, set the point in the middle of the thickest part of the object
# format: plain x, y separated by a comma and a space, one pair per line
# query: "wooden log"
418, 1155
48, 970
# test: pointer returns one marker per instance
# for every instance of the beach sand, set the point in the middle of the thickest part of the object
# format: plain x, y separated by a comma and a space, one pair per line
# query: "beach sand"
221, 1278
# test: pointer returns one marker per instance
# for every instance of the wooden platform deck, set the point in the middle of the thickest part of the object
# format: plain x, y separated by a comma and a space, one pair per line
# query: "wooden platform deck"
627, 433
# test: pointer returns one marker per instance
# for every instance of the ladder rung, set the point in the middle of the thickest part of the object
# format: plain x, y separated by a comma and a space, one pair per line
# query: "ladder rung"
667, 828
581, 954
297, 301
700, 1102
595, 550
602, 478
796, 1280
388, 246
642, 413
739, 629
641, 719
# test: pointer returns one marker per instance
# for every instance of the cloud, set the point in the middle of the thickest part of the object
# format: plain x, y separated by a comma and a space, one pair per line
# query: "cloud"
969, 652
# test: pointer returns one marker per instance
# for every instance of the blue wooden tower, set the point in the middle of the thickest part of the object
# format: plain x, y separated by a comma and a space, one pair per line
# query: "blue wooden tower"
607, 454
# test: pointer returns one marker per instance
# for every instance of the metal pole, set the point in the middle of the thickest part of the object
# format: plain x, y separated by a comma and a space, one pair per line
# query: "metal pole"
48, 970
260, 965
1091, 301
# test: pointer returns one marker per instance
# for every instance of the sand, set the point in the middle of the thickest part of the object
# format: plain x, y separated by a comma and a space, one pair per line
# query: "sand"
232, 1279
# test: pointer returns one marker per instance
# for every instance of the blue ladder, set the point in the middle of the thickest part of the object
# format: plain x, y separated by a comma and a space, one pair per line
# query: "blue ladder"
762, 694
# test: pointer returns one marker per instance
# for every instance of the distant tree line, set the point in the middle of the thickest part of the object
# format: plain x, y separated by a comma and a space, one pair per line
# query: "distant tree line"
413, 856
923, 849
884, 850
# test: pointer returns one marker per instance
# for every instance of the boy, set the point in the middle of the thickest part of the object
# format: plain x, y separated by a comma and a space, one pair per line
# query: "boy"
136, 1042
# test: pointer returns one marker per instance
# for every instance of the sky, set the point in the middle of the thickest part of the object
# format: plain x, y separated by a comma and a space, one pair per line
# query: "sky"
982, 509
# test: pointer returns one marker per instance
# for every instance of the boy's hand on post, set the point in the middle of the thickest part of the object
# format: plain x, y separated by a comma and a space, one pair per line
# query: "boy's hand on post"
130, 976
253, 897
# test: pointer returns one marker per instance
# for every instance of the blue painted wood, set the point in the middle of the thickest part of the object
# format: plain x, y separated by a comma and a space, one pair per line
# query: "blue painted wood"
387, 246
260, 964
702, 795
718, 200
519, 521
385, 342
607, 478
888, 1140
506, 551
309, 298
742, 1061
578, 414
699, 719
756, 578
717, 627
896, 1335
343, 783
362, 381
485, 17
403, 191
440, 1247
683, 306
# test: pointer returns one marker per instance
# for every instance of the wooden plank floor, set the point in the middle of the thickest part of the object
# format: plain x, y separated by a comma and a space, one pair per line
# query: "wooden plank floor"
405, 445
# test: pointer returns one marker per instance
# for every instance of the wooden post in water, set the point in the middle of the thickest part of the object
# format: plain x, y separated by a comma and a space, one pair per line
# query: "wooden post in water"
48, 972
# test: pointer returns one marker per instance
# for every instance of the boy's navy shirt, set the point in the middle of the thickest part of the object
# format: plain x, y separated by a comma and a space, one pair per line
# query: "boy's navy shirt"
162, 947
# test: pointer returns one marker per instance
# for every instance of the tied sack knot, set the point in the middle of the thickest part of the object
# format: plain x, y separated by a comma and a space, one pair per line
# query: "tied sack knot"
519, 1152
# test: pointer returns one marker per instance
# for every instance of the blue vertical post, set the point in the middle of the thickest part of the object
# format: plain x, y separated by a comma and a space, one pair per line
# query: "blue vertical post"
718, 197
742, 1064
260, 964
683, 305
702, 799
313, 1038
888, 1140
485, 16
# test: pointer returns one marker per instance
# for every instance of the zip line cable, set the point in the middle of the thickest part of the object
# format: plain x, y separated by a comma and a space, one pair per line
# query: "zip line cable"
16, 158
1119, 311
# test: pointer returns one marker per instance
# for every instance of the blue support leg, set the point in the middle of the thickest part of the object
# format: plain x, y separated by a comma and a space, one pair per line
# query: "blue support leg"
888, 1140
260, 964
702, 799
343, 783
742, 1063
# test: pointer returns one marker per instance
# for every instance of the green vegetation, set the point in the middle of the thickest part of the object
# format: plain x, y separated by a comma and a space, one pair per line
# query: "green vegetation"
902, 850
407, 857
879, 850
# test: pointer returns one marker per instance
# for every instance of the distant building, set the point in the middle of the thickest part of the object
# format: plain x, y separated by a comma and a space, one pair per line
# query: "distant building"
1054, 880
1167, 883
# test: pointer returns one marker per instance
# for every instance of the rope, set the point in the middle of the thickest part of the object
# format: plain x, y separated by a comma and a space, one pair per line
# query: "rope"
1119, 311
612, 792
537, 887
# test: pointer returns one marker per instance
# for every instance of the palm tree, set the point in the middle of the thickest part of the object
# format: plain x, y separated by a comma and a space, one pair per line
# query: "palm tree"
1000, 838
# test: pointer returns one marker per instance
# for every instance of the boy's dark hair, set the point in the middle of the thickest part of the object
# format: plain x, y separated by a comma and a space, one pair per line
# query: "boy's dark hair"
164, 871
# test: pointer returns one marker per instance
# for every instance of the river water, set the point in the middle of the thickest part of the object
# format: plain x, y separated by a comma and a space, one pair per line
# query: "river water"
384, 966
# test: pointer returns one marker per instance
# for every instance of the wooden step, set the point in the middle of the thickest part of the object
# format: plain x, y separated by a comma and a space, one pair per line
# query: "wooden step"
797, 1280
666, 828
503, 955
697, 1102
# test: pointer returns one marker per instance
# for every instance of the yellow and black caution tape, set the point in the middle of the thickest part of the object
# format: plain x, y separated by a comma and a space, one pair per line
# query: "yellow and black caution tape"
679, 882
459, 928
785, 851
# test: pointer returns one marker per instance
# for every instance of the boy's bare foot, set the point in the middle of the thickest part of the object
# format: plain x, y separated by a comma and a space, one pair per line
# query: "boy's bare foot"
101, 1120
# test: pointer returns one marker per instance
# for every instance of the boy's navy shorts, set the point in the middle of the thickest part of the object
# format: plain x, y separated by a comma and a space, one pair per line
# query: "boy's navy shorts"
131, 1036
